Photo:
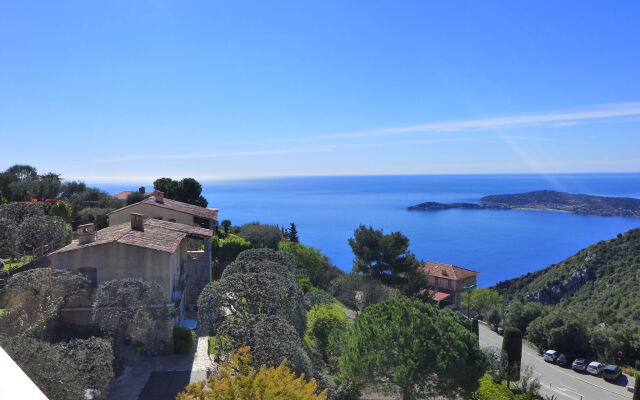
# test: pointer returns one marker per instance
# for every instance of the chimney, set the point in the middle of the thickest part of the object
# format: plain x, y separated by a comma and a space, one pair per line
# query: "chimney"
141, 190
137, 222
86, 233
159, 196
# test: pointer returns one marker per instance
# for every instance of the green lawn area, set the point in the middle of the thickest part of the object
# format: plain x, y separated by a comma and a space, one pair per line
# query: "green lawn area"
11, 264
2, 311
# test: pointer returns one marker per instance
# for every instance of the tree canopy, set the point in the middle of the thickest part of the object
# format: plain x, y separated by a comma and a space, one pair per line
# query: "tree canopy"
22, 182
261, 235
481, 300
412, 347
387, 258
266, 308
239, 379
188, 190
312, 263
132, 309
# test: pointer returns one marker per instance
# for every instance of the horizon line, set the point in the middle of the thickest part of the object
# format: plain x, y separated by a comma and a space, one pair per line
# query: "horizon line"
122, 180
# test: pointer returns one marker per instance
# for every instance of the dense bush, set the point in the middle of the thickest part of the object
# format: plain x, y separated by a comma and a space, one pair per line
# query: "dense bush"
345, 287
322, 321
261, 235
239, 379
183, 340
313, 264
226, 250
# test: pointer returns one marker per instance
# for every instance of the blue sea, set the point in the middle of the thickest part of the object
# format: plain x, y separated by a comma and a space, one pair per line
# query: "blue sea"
500, 244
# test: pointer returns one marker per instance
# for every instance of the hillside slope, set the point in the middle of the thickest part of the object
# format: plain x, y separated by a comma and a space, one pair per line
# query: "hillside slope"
600, 282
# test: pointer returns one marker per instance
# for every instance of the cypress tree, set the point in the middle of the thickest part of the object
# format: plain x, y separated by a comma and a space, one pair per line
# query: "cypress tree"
293, 233
474, 327
512, 353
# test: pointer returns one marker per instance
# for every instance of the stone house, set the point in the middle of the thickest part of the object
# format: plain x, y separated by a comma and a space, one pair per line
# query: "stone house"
146, 248
448, 282
158, 207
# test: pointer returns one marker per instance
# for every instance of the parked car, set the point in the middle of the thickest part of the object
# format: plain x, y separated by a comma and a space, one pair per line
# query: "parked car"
500, 330
595, 368
562, 360
550, 356
493, 327
1, 264
611, 372
580, 365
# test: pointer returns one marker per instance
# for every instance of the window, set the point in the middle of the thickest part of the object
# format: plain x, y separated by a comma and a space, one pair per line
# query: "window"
437, 281
91, 274
449, 283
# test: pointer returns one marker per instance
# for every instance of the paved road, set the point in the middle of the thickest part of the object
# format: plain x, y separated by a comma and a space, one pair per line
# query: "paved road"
561, 382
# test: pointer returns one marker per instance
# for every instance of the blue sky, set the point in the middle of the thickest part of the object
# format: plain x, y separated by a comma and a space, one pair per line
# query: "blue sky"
132, 90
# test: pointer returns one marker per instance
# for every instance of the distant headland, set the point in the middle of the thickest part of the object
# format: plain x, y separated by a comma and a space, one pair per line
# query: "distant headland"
547, 200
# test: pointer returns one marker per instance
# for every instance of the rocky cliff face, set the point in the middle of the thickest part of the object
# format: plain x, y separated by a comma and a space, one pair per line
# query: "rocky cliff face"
556, 290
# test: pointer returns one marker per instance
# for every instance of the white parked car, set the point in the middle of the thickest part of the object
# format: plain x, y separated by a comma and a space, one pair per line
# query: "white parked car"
595, 368
550, 356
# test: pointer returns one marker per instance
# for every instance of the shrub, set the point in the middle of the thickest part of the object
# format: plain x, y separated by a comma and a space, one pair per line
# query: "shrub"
321, 322
238, 379
261, 235
183, 340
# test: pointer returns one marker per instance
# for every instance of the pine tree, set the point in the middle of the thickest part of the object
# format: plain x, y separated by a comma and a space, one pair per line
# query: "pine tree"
474, 327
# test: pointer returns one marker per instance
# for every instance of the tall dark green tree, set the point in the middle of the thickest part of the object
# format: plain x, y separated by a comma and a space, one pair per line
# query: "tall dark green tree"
387, 258
512, 353
292, 233
226, 224
474, 327
187, 190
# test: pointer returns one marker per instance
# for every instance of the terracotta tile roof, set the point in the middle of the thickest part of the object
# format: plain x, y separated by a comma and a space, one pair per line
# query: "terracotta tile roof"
206, 213
157, 235
122, 195
447, 271
439, 296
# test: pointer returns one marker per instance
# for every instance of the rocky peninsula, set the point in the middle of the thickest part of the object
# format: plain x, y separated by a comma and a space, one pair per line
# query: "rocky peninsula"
547, 200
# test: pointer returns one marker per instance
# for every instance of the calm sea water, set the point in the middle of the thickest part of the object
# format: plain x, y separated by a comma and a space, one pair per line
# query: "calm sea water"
500, 244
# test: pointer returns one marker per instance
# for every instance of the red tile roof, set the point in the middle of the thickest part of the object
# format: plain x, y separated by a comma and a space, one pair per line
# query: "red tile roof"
122, 195
439, 296
447, 271
157, 235
206, 213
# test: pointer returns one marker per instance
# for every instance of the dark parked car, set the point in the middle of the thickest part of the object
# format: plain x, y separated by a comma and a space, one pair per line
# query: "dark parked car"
611, 372
493, 327
580, 365
562, 360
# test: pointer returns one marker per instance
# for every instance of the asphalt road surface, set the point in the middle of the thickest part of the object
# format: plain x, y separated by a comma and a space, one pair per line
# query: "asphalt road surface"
563, 383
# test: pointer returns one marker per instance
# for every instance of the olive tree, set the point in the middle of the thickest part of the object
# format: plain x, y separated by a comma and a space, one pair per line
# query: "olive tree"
19, 211
132, 309
261, 235
412, 348
64, 370
8, 238
34, 299
254, 287
43, 234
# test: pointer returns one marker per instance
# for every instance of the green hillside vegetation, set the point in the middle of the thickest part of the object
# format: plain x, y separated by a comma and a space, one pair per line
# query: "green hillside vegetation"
591, 302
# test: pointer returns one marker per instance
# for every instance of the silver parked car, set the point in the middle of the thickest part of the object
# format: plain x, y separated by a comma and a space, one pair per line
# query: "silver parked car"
595, 368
